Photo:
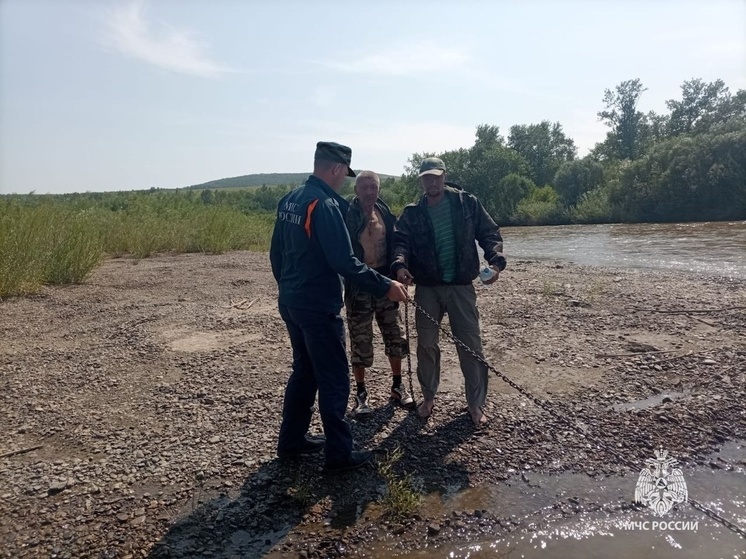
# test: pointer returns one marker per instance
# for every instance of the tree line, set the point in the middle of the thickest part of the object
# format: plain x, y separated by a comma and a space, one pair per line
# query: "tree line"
686, 165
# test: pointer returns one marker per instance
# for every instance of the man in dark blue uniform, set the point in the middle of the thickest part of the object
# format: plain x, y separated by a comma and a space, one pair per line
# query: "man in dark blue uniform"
310, 251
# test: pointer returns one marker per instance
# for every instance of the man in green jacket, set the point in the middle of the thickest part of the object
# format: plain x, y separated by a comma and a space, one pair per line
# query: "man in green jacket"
371, 226
434, 248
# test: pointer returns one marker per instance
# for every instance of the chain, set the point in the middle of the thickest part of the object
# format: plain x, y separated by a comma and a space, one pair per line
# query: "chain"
582, 430
543, 405
715, 516
409, 349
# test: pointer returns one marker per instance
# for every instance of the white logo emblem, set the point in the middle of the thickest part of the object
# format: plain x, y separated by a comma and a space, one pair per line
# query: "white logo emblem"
660, 485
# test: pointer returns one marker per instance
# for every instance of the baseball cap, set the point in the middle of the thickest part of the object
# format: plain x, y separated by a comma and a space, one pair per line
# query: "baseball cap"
432, 166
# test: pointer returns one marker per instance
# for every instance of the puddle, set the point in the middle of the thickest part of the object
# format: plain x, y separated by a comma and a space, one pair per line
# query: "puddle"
649, 402
525, 494
682, 533
629, 536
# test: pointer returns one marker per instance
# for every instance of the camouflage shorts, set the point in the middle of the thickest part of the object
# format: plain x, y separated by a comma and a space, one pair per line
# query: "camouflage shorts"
360, 313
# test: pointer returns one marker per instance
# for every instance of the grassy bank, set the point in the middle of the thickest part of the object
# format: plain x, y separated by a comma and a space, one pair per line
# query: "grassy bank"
60, 240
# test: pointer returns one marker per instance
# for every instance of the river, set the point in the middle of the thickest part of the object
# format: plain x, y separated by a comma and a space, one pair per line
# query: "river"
712, 248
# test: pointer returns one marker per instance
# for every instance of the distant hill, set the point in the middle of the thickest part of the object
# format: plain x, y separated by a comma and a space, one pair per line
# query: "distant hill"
258, 179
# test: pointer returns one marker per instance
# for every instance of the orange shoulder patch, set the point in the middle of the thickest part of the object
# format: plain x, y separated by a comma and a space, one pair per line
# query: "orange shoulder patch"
309, 211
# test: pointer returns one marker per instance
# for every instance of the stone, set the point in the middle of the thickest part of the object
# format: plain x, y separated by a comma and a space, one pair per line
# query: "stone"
56, 488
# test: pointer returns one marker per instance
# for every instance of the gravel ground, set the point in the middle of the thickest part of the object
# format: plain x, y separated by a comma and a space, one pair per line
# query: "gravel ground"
151, 396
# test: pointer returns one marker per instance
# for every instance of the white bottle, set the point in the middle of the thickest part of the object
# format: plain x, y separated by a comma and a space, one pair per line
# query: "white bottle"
486, 274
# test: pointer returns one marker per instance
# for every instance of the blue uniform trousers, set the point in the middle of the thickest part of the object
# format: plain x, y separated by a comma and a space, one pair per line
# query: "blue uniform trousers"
319, 364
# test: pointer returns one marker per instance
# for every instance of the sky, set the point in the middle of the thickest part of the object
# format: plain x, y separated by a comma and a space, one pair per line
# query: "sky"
106, 95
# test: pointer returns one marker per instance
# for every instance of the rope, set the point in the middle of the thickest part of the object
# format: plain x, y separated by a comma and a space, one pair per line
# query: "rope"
580, 429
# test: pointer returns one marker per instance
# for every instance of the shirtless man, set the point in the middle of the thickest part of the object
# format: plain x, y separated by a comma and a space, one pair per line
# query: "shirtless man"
371, 225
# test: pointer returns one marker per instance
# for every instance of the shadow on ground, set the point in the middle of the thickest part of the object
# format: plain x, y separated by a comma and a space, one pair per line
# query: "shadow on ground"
292, 505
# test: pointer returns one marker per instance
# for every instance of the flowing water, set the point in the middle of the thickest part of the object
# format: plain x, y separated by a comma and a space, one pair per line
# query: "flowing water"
713, 248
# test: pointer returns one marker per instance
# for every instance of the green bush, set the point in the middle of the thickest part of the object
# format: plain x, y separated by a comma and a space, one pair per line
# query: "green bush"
592, 207
21, 267
73, 250
61, 239
541, 206
45, 244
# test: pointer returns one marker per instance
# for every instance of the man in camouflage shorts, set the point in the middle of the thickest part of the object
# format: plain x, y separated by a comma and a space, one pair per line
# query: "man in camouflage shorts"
371, 225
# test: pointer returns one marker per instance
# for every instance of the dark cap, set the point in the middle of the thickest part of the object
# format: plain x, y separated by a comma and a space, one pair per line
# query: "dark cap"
336, 153
432, 166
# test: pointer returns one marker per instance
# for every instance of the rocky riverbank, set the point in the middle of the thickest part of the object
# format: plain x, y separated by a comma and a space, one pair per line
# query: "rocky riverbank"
151, 398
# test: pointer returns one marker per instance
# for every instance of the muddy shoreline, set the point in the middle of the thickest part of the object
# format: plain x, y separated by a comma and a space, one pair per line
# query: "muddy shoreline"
154, 392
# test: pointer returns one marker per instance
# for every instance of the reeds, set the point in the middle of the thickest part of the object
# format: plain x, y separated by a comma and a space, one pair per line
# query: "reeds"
61, 239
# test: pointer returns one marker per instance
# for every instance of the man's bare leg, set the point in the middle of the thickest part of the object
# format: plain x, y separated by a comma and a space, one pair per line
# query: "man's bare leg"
395, 363
359, 374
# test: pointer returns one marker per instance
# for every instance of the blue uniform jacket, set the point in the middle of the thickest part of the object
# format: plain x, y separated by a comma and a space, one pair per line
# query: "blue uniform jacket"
311, 249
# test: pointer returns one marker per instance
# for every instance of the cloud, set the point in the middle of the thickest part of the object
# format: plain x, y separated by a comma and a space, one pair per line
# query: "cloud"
159, 44
412, 58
